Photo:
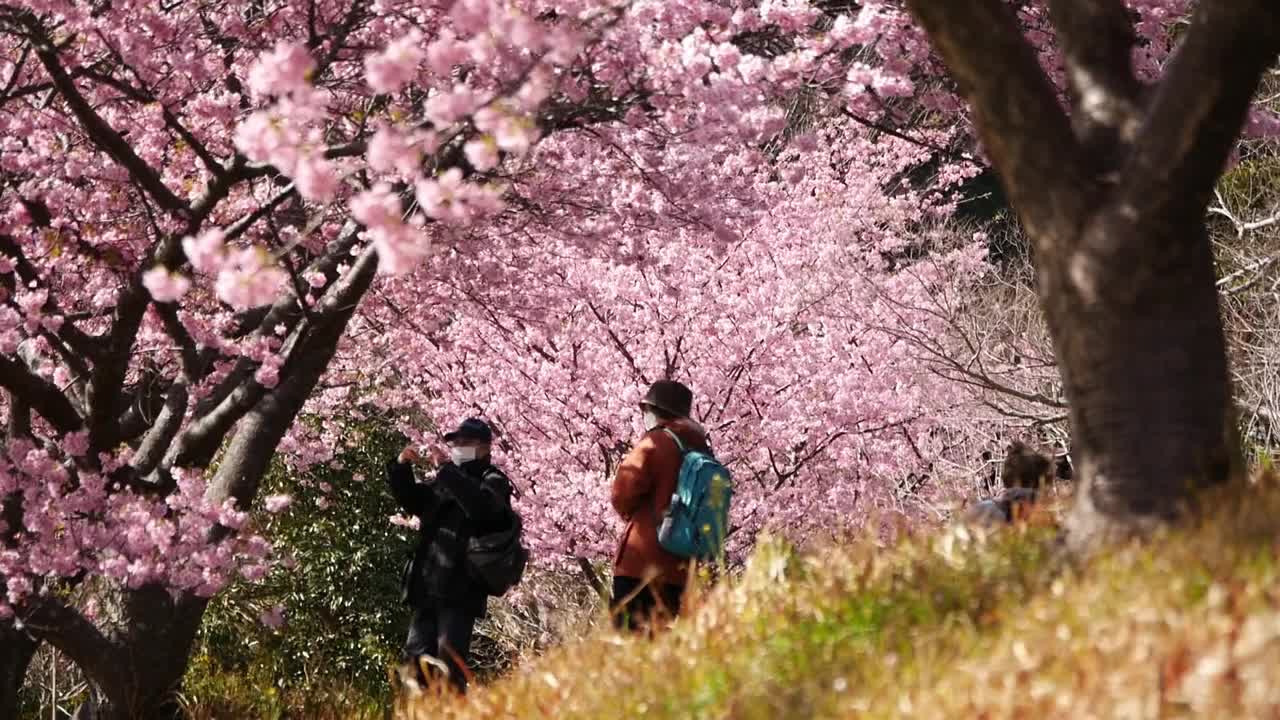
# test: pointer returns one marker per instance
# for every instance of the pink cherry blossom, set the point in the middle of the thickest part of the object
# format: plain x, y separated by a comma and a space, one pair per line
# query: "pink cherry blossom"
440, 197
447, 107
515, 135
482, 153
392, 150
77, 443
444, 53
268, 376
567, 204
377, 207
394, 67
282, 71
273, 618
249, 279
205, 251
316, 178
277, 503
411, 522
165, 286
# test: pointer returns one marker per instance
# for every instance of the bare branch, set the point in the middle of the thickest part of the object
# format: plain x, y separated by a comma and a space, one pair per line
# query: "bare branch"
98, 130
39, 394
1198, 109
618, 344
1015, 107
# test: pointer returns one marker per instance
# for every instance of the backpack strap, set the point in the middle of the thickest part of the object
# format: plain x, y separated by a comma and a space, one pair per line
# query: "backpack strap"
494, 475
679, 443
657, 499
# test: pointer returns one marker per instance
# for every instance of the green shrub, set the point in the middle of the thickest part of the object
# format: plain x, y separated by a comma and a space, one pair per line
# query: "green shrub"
344, 618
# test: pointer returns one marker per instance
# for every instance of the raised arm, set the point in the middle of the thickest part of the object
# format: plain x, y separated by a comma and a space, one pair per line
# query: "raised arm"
410, 495
633, 484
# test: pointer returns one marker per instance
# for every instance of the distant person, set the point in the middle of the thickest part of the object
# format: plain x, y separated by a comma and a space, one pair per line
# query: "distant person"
649, 581
468, 497
1024, 474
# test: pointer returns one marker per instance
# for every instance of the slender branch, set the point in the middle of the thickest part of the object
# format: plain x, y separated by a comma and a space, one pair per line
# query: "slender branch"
171, 120
617, 343
880, 127
39, 394
98, 130
1198, 109
239, 227
1023, 129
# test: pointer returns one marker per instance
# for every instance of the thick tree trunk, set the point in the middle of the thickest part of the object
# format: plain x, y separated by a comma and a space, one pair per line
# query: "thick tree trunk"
1114, 199
16, 650
1139, 338
156, 635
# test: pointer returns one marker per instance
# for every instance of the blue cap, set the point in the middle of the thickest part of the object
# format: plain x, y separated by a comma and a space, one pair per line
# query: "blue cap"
471, 429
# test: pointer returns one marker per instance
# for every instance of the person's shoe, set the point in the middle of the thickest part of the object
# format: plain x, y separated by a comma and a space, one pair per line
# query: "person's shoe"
435, 663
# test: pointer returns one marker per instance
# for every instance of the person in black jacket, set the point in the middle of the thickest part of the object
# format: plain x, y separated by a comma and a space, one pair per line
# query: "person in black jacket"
469, 496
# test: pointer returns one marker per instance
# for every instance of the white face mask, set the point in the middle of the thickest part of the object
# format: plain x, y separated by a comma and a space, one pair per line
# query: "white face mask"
461, 455
650, 420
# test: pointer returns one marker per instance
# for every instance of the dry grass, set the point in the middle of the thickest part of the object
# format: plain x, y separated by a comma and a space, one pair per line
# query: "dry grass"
551, 608
956, 624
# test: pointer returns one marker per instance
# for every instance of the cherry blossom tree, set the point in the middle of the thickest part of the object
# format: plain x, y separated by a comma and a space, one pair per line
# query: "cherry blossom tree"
197, 200
808, 397
1114, 196
205, 207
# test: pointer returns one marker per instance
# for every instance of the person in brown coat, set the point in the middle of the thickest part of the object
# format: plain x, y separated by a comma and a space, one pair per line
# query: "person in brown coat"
648, 580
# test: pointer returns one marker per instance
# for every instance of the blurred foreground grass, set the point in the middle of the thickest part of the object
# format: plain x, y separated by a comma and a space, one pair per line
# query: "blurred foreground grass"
955, 624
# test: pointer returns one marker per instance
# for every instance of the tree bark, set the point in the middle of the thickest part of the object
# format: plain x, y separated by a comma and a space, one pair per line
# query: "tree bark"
1114, 198
1141, 346
156, 633
152, 644
16, 650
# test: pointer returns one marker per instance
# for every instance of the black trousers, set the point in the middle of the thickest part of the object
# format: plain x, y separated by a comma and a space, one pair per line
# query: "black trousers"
634, 606
444, 633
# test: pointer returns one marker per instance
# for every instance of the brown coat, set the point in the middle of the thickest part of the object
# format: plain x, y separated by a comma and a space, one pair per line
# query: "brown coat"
641, 493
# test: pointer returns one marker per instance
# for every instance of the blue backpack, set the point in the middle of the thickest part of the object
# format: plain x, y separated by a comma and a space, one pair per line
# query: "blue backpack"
695, 523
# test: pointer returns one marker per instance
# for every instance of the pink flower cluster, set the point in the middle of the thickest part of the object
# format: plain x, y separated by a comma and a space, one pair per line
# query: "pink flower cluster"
70, 528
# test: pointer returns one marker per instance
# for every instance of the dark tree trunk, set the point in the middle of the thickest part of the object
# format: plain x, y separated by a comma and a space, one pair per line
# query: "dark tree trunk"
155, 636
1113, 199
157, 633
16, 650
17, 647
1139, 338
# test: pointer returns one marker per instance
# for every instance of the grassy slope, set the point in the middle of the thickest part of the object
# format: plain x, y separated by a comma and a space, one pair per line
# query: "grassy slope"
954, 625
